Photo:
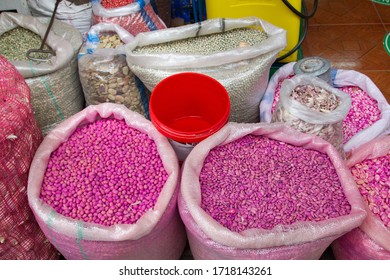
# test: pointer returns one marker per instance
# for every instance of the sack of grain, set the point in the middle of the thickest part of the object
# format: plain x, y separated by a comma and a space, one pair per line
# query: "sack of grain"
20, 136
228, 50
370, 167
55, 85
266, 191
79, 16
105, 186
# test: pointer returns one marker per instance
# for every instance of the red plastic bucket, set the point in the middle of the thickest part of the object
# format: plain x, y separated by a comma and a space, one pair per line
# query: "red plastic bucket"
188, 107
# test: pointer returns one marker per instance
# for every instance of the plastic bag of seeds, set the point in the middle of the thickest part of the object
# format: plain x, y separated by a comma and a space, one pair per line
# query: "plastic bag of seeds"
266, 191
77, 15
367, 118
104, 73
310, 105
20, 136
238, 57
135, 16
55, 85
125, 175
370, 167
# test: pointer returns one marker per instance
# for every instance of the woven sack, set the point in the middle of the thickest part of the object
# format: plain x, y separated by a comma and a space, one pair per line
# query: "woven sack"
77, 15
371, 241
55, 86
20, 235
136, 17
242, 71
158, 234
208, 239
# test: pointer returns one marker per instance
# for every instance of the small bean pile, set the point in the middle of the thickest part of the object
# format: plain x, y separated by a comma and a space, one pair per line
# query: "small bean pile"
110, 41
105, 173
315, 98
209, 44
112, 4
15, 43
372, 178
364, 112
258, 182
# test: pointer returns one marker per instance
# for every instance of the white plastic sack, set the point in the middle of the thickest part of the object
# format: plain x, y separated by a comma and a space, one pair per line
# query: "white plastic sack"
55, 85
301, 240
158, 234
79, 16
253, 63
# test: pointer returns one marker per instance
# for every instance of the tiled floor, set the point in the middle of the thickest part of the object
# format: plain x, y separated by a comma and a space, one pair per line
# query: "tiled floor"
349, 33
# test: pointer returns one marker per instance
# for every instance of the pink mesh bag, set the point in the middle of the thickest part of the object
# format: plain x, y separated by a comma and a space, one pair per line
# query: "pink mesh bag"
20, 135
371, 241
209, 239
158, 234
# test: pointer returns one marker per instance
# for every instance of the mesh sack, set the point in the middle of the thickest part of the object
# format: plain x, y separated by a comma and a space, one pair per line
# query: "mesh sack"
104, 73
55, 85
135, 17
372, 239
359, 127
243, 71
158, 234
20, 235
209, 239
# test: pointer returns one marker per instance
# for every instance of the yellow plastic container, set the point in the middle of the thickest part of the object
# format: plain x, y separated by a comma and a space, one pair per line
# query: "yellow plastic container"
273, 11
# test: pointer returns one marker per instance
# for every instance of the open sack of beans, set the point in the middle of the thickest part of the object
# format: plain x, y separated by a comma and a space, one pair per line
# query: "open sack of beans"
79, 15
310, 105
55, 85
135, 16
103, 185
266, 191
20, 136
370, 167
369, 114
228, 50
104, 73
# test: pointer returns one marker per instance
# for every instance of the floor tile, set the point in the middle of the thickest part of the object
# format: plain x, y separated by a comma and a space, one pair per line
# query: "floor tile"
345, 12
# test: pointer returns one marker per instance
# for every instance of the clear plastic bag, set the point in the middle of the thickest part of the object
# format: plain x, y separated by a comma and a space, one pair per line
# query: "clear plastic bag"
105, 75
341, 78
326, 124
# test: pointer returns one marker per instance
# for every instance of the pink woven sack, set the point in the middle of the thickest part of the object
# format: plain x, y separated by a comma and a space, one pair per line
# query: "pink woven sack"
158, 234
209, 239
20, 135
372, 239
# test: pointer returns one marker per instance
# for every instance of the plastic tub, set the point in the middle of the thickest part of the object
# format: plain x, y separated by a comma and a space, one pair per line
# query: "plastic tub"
187, 108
